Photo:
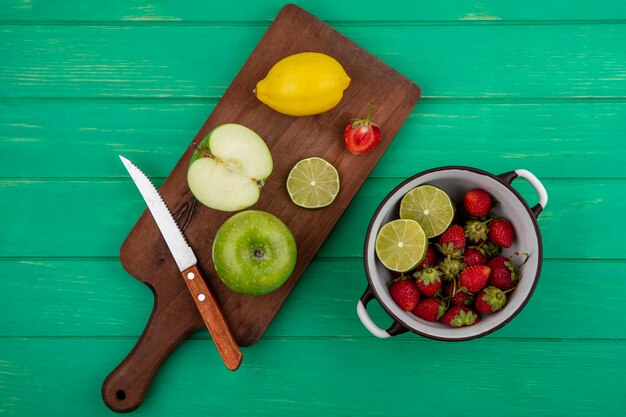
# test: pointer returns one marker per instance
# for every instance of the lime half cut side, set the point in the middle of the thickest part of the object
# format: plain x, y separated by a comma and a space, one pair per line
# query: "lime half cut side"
430, 206
401, 245
313, 183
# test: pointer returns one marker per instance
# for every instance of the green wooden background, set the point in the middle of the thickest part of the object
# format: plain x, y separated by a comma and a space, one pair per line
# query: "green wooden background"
537, 85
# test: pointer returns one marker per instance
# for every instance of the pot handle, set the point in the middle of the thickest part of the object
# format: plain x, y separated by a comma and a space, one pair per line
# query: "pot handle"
508, 178
395, 329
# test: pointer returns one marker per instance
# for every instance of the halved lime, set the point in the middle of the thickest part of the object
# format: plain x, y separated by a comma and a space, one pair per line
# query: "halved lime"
430, 206
401, 245
313, 183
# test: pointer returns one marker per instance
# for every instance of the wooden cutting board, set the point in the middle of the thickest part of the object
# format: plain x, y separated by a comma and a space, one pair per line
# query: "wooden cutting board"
144, 253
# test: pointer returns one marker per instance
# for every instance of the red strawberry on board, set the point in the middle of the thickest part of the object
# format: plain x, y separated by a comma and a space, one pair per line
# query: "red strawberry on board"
429, 259
430, 309
477, 202
459, 316
428, 281
452, 241
361, 135
474, 256
405, 293
475, 277
501, 232
490, 299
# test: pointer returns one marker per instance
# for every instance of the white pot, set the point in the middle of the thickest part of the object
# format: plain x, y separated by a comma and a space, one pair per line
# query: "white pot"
456, 181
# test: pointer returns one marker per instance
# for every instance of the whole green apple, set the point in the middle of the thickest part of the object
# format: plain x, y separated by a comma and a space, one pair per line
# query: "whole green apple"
254, 252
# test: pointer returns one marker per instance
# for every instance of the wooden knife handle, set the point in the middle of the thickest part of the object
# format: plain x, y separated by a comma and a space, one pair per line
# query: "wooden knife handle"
213, 318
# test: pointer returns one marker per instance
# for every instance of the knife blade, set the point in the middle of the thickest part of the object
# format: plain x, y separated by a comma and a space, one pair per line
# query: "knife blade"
187, 264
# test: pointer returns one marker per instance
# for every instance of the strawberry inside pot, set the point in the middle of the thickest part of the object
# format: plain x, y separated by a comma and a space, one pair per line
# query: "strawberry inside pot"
456, 181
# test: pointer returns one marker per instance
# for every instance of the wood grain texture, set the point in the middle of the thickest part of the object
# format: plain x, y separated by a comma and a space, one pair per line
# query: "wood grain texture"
517, 61
311, 311
551, 139
303, 376
144, 253
139, 11
126, 386
108, 209
213, 318
535, 84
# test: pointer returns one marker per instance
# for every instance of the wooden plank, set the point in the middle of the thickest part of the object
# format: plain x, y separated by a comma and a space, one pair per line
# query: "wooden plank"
75, 11
93, 297
514, 61
555, 139
312, 377
100, 214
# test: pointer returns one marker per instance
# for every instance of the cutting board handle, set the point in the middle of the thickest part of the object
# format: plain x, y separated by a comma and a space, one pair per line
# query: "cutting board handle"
125, 388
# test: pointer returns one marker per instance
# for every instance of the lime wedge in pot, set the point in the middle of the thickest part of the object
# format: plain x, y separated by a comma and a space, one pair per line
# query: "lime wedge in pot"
401, 245
430, 206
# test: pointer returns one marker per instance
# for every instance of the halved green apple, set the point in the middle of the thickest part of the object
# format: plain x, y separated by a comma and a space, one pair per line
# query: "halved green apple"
229, 168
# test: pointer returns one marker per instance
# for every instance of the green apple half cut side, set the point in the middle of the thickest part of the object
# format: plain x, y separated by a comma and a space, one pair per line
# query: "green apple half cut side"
229, 168
254, 252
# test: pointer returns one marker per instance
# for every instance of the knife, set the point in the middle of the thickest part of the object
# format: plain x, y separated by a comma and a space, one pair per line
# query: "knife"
187, 264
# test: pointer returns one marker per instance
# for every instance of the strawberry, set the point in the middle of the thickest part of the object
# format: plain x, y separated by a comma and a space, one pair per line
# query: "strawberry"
477, 202
452, 241
490, 299
474, 256
498, 261
430, 309
428, 281
459, 316
504, 273
450, 268
476, 231
489, 249
429, 259
405, 293
458, 296
501, 232
475, 277
361, 135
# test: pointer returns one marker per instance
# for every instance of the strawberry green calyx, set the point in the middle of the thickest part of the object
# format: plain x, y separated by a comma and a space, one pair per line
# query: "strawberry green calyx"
460, 316
495, 297
450, 250
428, 275
356, 122
441, 310
476, 231
463, 319
514, 275
488, 249
452, 242
451, 268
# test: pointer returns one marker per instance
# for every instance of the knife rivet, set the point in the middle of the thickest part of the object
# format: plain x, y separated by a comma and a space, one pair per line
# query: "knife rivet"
190, 276
201, 297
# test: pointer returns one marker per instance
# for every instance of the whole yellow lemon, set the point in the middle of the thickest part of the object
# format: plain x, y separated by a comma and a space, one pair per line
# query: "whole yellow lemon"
303, 84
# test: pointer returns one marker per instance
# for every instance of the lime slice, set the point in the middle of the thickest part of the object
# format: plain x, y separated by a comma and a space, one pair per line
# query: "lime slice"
430, 206
313, 183
401, 245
